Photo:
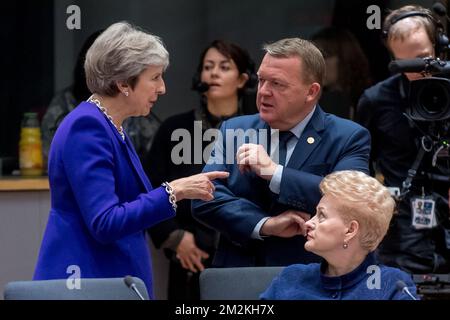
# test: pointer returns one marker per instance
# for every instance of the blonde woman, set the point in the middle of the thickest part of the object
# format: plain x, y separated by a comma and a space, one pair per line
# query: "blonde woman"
351, 220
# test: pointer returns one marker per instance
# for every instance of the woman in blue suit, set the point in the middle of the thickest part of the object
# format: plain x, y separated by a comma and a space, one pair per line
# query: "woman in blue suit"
101, 199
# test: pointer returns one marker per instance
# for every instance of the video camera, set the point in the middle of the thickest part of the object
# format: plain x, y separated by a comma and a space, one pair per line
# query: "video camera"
429, 98
428, 110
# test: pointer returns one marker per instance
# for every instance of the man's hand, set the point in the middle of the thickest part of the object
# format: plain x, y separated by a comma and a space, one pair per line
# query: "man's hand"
189, 254
288, 224
253, 157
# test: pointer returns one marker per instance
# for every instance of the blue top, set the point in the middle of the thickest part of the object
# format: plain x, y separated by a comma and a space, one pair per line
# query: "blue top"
101, 203
369, 281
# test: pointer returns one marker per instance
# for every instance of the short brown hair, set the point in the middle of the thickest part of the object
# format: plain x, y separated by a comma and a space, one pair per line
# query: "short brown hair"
311, 57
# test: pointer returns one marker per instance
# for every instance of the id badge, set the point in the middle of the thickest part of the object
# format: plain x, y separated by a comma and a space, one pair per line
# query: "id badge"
423, 213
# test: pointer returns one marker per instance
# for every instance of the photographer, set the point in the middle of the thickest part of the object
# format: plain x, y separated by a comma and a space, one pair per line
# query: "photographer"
413, 244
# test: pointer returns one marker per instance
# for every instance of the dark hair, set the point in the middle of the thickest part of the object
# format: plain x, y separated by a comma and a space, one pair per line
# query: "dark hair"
79, 87
240, 57
353, 66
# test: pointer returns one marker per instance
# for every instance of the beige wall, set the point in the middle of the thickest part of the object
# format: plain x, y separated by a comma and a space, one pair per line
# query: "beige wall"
23, 217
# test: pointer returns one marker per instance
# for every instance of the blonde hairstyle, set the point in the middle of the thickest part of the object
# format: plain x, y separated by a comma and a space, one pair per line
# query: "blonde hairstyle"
312, 59
121, 53
363, 199
405, 27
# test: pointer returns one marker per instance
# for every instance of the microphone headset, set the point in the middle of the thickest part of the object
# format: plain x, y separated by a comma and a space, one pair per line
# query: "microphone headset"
440, 40
201, 87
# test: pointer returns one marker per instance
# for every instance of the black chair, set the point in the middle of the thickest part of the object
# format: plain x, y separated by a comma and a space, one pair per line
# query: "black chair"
90, 289
245, 283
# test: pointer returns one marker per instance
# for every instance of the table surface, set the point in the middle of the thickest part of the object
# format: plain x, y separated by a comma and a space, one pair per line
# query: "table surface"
9, 183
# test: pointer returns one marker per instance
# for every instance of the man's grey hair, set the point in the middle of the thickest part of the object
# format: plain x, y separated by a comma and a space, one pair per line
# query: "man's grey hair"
121, 53
311, 57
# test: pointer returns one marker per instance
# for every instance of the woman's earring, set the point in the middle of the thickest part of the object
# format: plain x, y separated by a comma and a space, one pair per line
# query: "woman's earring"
126, 93
345, 245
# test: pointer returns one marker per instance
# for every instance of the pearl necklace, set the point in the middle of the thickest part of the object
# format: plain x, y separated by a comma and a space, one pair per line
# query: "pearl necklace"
103, 109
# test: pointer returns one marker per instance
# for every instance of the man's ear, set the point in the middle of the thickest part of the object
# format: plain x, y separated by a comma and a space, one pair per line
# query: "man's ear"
313, 92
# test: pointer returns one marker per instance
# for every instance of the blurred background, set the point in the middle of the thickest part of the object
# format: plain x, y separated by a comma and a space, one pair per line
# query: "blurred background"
39, 51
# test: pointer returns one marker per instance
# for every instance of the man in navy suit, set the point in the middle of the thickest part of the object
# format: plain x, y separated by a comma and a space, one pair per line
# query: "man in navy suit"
273, 187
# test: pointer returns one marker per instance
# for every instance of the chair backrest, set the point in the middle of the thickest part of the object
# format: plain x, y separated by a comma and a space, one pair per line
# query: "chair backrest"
245, 283
90, 289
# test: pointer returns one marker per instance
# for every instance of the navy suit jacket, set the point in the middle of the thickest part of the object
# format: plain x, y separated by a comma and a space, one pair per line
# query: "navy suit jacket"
243, 200
101, 201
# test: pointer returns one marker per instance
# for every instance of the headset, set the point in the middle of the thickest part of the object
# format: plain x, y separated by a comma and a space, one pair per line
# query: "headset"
441, 41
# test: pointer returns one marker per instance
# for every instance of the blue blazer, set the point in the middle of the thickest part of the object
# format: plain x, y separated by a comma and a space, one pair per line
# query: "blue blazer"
101, 201
242, 201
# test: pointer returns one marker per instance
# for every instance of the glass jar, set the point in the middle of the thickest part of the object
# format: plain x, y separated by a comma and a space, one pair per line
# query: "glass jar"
30, 146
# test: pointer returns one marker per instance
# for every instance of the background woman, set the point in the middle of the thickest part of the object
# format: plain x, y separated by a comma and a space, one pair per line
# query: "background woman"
224, 76
348, 72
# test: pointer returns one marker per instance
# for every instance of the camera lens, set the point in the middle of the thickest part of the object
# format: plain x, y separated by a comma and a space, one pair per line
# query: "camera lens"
430, 99
434, 98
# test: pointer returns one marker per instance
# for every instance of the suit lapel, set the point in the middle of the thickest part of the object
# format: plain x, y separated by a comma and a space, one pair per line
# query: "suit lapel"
136, 163
309, 140
129, 150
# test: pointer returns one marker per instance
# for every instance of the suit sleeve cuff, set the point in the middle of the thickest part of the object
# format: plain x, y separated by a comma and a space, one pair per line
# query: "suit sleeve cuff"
255, 233
275, 182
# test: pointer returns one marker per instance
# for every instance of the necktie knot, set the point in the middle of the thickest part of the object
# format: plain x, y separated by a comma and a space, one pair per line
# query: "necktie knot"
284, 136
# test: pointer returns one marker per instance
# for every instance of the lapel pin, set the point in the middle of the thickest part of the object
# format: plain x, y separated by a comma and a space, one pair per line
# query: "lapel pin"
310, 140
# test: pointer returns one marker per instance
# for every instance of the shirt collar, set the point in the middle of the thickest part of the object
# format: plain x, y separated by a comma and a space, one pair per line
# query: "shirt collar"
297, 130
